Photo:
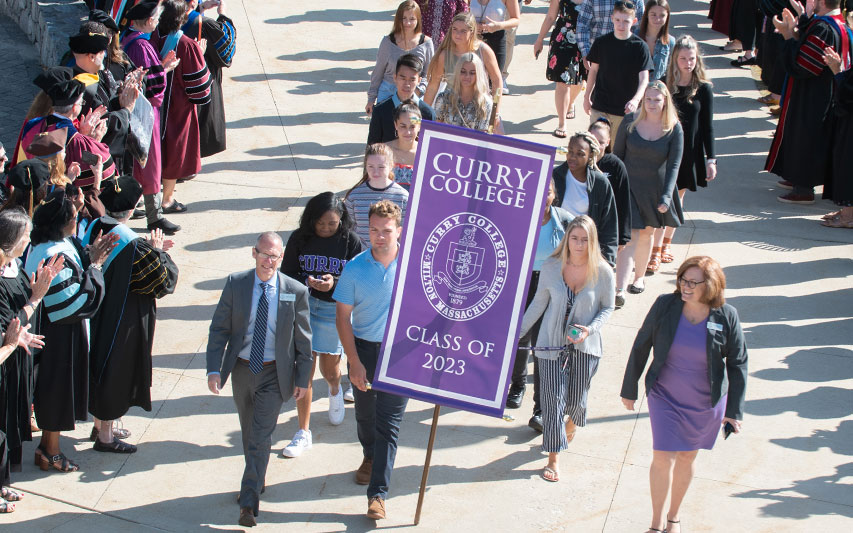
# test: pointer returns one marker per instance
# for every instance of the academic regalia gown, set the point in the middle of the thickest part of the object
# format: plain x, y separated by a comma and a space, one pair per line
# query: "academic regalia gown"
16, 373
188, 86
139, 50
839, 188
801, 148
62, 385
102, 90
135, 274
221, 39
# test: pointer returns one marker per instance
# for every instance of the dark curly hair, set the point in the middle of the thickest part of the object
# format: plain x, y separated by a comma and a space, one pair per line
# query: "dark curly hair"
317, 207
173, 17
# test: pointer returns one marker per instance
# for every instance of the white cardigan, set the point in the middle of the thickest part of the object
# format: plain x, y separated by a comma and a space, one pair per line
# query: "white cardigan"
592, 308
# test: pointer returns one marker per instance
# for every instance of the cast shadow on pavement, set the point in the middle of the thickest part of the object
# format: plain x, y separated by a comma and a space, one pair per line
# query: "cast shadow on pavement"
331, 80
345, 16
355, 54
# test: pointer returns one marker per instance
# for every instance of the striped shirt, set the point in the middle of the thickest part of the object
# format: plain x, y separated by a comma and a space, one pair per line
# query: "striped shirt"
359, 200
366, 285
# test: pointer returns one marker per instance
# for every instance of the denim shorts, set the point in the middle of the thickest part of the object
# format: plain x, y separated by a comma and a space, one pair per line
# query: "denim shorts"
324, 333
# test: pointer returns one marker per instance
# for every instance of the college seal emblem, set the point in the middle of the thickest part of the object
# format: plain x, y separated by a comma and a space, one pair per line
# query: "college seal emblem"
463, 266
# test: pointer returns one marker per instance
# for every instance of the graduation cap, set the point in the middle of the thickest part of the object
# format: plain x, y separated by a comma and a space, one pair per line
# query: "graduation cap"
29, 175
60, 85
48, 144
120, 194
96, 15
142, 11
87, 42
50, 207
52, 76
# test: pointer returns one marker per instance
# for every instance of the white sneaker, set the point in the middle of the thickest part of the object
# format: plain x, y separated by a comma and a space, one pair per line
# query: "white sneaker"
301, 442
348, 397
336, 407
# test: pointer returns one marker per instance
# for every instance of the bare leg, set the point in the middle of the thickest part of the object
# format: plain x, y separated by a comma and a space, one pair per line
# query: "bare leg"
660, 480
553, 465
574, 91
642, 252
105, 431
50, 442
561, 100
303, 405
657, 239
330, 368
625, 261
670, 231
682, 475
168, 192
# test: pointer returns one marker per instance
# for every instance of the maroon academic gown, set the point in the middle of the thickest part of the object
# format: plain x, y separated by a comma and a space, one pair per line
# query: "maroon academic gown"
188, 86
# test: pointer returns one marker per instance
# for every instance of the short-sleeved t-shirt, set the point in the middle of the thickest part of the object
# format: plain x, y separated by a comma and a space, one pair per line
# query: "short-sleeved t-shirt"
367, 285
619, 65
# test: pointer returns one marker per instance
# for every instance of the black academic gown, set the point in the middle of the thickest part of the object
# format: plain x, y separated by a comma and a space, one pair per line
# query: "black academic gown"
221, 39
62, 385
16, 374
105, 93
801, 148
123, 328
839, 188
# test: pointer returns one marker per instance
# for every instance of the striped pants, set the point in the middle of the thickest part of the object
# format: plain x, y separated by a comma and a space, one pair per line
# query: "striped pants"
564, 387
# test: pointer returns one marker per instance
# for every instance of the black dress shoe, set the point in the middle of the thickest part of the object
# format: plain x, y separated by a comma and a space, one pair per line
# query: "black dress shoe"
513, 399
535, 423
167, 227
137, 214
247, 517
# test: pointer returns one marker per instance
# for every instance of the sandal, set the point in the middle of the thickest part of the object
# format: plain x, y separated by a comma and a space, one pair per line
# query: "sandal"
120, 433
6, 507
676, 522
116, 446
555, 474
768, 100
844, 223
743, 61
58, 461
10, 495
633, 289
175, 207
571, 114
831, 216
666, 251
560, 133
654, 261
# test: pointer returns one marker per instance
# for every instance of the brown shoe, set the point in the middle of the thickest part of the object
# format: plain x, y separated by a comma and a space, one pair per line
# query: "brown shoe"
362, 475
247, 517
376, 508
785, 184
776, 111
792, 198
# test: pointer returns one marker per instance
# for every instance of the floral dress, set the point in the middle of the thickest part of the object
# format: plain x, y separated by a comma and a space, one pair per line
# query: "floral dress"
564, 57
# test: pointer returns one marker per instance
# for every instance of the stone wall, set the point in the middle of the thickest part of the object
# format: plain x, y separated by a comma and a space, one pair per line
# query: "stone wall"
47, 23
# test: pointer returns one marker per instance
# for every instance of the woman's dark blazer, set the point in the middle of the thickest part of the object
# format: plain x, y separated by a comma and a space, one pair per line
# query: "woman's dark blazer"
726, 349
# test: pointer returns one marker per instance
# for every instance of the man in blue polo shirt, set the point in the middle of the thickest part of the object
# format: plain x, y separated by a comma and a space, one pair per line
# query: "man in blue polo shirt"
363, 297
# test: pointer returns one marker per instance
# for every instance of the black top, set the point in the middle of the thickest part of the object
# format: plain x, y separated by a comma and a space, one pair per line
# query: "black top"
382, 121
614, 170
617, 81
726, 351
602, 207
697, 123
310, 255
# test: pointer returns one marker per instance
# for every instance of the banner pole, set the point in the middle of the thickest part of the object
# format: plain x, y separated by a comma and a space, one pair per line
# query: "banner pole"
426, 463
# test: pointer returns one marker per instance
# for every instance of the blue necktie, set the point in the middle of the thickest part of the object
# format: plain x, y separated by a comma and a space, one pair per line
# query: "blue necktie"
259, 335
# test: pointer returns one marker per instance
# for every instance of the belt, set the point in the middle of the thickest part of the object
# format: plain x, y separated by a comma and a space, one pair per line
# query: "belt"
245, 362
357, 339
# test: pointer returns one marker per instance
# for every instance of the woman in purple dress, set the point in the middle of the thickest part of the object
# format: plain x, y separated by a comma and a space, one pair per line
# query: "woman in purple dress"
696, 381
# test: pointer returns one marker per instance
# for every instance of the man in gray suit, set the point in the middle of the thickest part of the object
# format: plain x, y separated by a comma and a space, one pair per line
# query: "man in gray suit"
260, 335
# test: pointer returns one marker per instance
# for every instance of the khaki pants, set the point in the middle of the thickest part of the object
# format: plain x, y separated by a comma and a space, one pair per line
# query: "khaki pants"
615, 121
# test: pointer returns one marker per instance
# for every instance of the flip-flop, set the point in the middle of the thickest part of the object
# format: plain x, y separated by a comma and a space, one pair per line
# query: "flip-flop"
742, 61
571, 114
838, 223
560, 133
768, 99
11, 495
175, 207
554, 473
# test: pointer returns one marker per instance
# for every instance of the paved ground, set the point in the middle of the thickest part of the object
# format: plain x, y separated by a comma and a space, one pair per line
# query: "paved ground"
295, 128
19, 65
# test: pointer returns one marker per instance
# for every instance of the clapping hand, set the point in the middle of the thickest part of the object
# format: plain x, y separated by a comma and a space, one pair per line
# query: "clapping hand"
787, 25
832, 60
128, 96
100, 249
73, 171
170, 62
90, 120
157, 240
41, 279
27, 340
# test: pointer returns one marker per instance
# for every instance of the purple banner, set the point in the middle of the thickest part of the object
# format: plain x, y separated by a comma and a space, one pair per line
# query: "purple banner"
473, 219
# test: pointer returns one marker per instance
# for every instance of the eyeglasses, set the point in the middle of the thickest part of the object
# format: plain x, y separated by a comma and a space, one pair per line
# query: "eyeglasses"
269, 257
689, 283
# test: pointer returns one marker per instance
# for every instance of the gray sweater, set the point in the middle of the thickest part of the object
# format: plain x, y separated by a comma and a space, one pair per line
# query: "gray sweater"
386, 64
592, 308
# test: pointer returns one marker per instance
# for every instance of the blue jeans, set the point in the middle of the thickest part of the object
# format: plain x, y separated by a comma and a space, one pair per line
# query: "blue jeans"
378, 416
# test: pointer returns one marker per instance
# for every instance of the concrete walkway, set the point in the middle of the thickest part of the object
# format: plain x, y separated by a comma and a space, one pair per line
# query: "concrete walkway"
295, 96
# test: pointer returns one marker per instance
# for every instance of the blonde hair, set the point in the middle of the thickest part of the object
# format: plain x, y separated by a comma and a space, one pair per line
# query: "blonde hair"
40, 107
406, 5
386, 209
481, 85
673, 74
375, 149
56, 164
669, 116
446, 45
594, 258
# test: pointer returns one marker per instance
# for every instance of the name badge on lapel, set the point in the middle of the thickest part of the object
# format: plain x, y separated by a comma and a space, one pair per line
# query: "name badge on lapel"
712, 326
286, 297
